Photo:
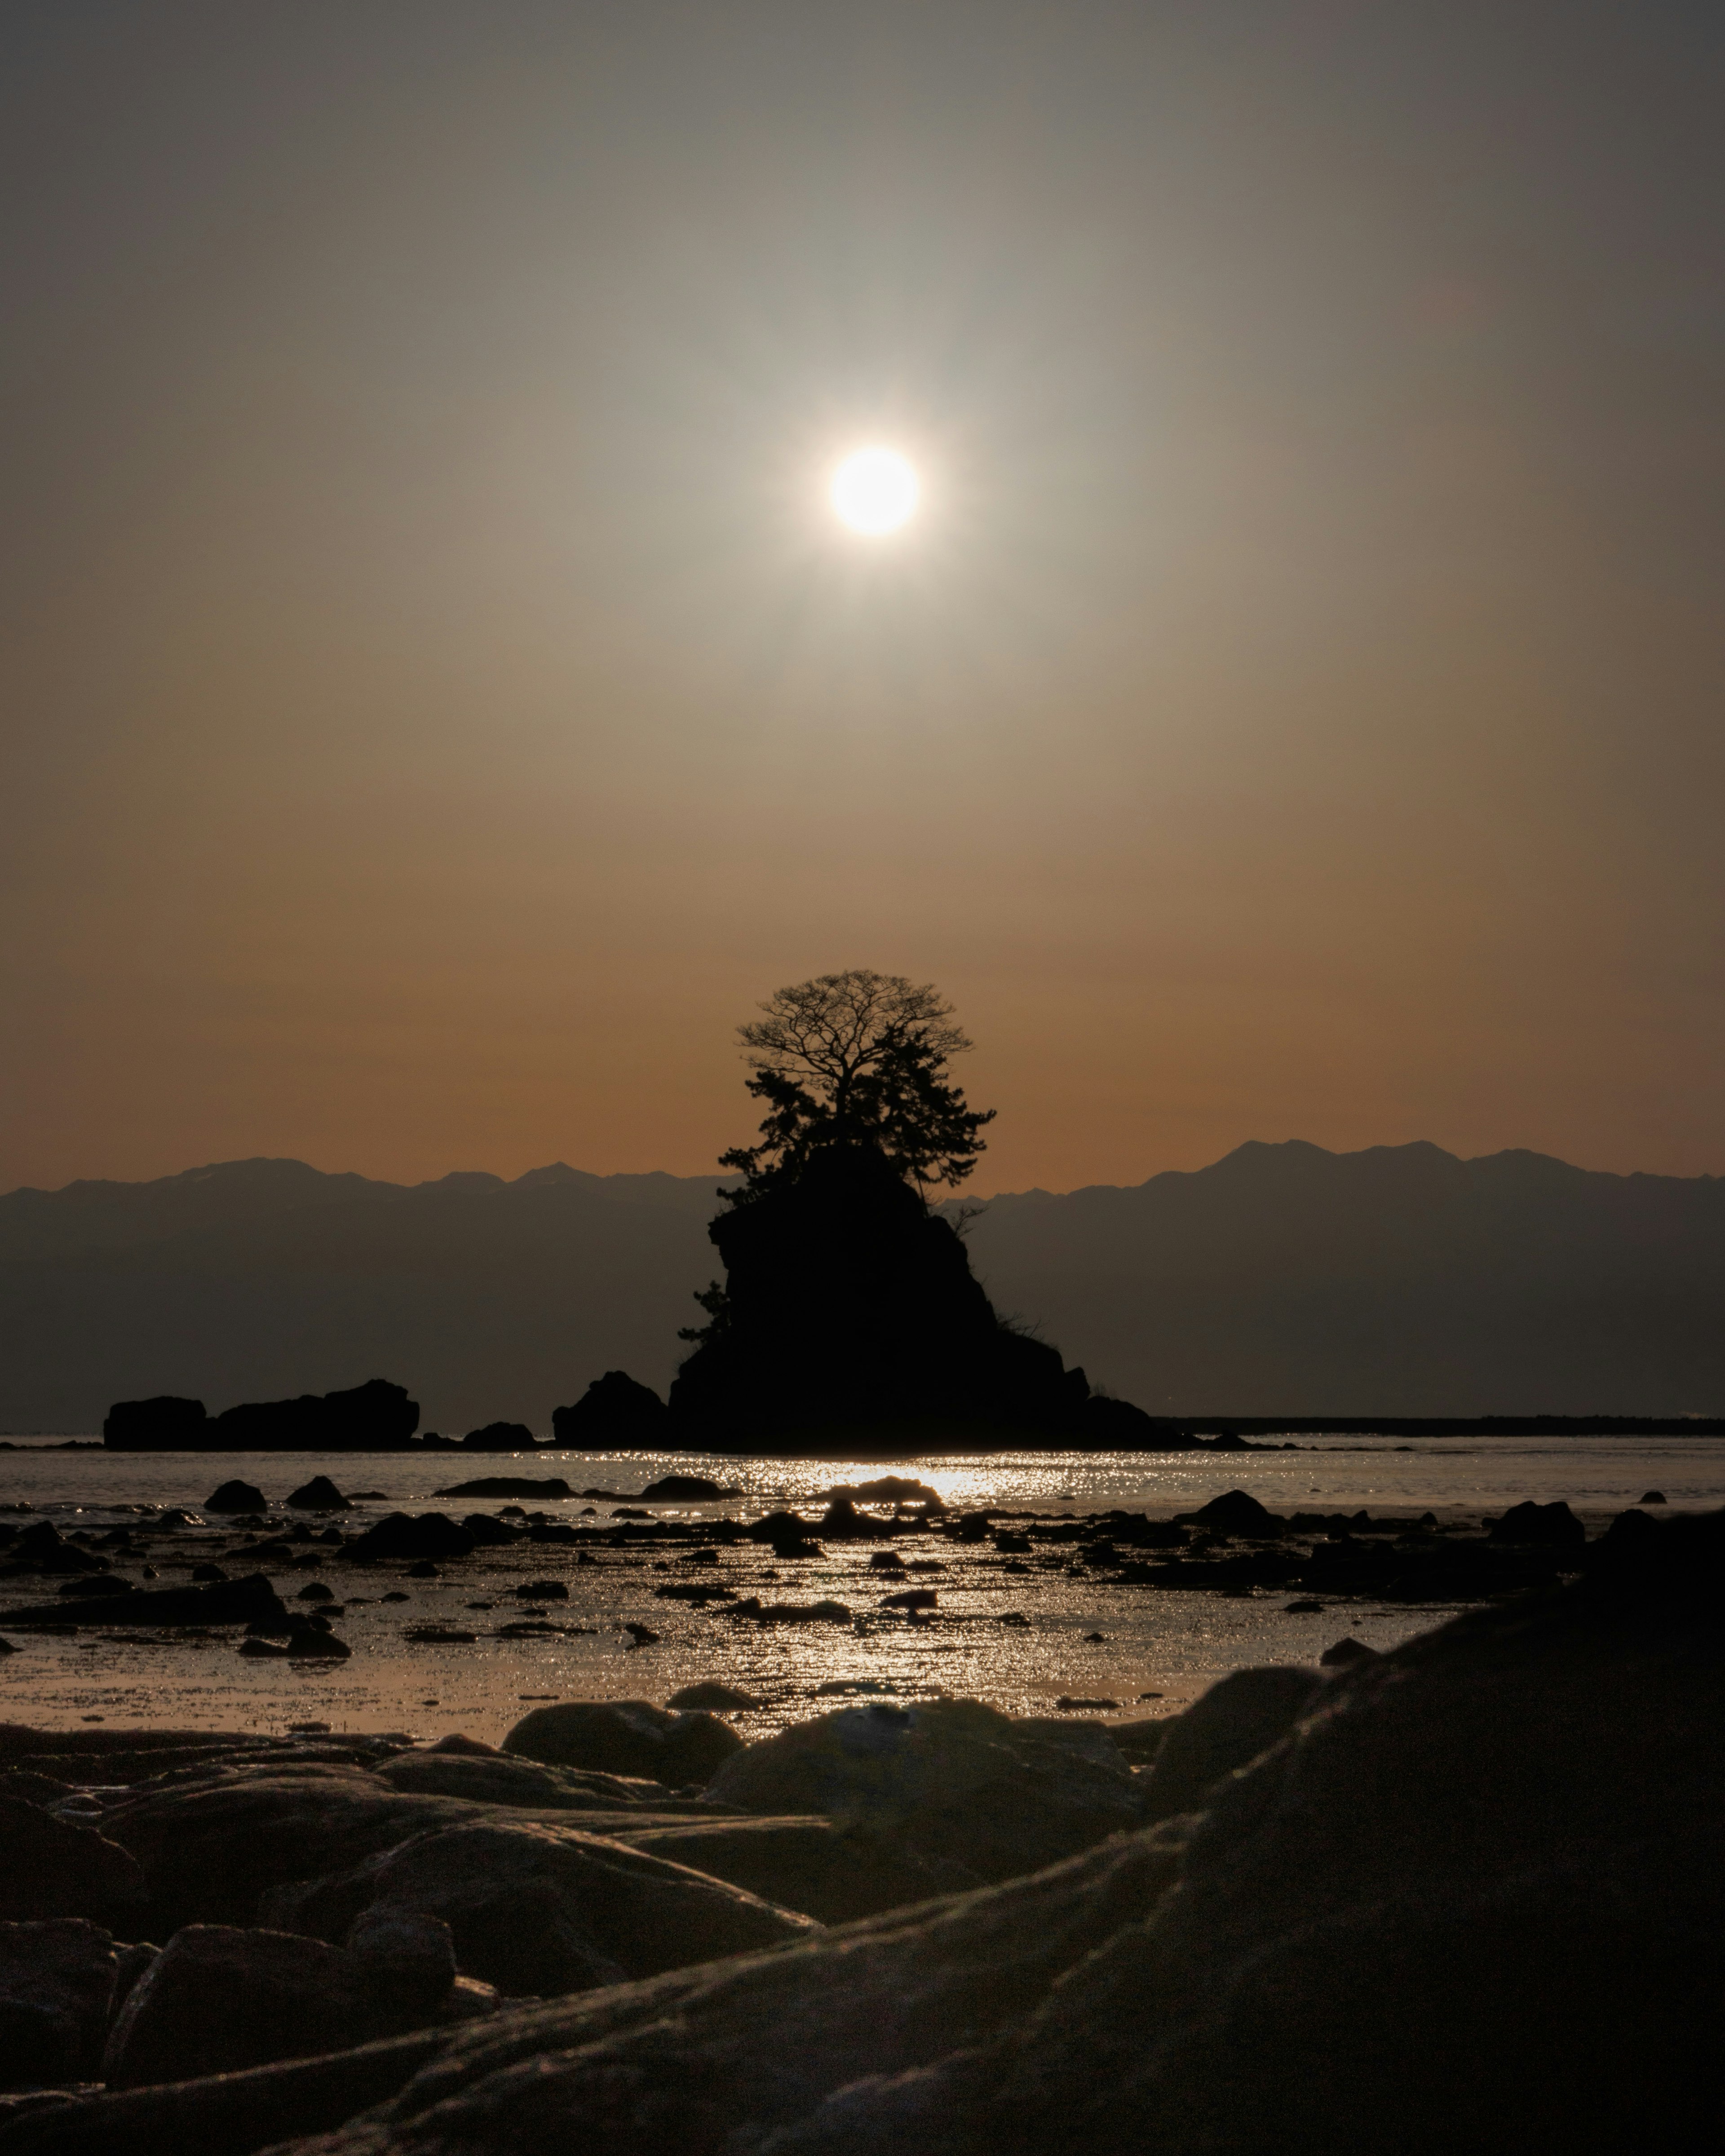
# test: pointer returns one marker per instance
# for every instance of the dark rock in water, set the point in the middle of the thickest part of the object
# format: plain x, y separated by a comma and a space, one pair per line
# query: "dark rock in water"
488, 1531
842, 1520
540, 1910
831, 1872
374, 1416
87, 1583
422, 1535
685, 1490
627, 1737
541, 1590
501, 1437
614, 1411
890, 1490
1238, 1514
715, 1698
56, 1983
951, 1779
250, 1600
1228, 1726
1546, 1526
237, 1497
1345, 1653
43, 1548
51, 1868
306, 1641
319, 1495
508, 1485
263, 1650
164, 1424
849, 1302
1652, 1497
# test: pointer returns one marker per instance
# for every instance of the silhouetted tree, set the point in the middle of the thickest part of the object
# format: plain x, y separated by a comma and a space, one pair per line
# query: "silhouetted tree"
857, 1058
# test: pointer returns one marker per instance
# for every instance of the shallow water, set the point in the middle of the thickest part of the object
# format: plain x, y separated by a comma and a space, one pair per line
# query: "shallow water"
1163, 1645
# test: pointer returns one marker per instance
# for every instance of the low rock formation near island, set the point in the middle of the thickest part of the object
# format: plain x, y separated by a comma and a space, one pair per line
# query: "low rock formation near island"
374, 1417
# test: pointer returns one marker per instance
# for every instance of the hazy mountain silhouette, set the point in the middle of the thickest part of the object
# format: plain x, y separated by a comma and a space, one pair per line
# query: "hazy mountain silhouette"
1398, 1280
1283, 1279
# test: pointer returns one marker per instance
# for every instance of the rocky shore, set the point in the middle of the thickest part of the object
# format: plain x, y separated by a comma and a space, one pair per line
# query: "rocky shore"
1463, 1896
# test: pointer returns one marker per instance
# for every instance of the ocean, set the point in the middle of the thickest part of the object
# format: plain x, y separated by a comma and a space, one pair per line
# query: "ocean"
1022, 1637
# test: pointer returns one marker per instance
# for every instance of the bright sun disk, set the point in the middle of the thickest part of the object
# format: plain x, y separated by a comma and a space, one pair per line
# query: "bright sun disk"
876, 491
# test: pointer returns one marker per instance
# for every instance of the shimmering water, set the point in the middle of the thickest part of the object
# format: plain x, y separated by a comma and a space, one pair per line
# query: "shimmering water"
1166, 1644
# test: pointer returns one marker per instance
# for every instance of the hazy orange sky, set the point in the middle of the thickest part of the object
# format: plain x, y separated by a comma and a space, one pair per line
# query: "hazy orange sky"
438, 703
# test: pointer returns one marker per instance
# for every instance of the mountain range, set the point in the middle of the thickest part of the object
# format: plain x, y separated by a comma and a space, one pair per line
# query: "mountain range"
1283, 1279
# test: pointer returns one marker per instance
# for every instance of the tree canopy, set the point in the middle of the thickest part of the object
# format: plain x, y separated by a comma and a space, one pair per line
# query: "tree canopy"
858, 1058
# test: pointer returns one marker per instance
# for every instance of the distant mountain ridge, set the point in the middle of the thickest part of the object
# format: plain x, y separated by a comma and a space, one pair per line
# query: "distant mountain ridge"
1283, 1279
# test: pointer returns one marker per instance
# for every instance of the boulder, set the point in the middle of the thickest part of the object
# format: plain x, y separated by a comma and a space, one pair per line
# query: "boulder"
497, 1780
1238, 1514
715, 1698
319, 1495
625, 1737
422, 1535
501, 1437
1345, 1653
685, 1490
407, 1960
218, 1999
237, 1496
614, 1411
508, 1485
1541, 1526
42, 1547
487, 1532
50, 1868
952, 1779
1236, 1719
540, 1910
57, 1980
890, 1490
164, 1424
831, 1872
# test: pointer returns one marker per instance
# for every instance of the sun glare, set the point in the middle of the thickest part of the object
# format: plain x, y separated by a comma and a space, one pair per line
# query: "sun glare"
875, 491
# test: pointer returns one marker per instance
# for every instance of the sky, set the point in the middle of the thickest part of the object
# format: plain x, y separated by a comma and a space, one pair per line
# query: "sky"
436, 702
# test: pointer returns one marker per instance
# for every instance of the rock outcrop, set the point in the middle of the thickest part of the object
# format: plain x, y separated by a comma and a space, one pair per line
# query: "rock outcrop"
849, 1302
626, 1737
614, 1411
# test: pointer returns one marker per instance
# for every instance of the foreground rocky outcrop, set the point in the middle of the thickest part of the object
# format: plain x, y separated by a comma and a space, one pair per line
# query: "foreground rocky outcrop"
1470, 1898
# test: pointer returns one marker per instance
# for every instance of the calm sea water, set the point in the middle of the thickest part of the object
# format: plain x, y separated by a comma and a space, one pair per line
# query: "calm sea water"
1156, 1650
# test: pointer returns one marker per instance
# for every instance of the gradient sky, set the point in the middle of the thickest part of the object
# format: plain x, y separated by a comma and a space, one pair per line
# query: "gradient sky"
437, 704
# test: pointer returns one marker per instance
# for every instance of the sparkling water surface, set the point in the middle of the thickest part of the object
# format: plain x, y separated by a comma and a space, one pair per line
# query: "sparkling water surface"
1158, 1649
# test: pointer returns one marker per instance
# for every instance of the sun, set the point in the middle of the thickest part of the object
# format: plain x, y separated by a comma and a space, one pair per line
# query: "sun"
875, 491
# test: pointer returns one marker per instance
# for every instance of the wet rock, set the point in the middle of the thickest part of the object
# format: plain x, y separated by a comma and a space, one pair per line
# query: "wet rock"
1652, 1497
951, 1778
1345, 1653
319, 1495
890, 1490
250, 1600
508, 1486
57, 1980
306, 1641
541, 1590
685, 1490
422, 1535
828, 1872
539, 1910
43, 1548
614, 1411
715, 1698
237, 1496
487, 1532
1236, 1514
625, 1737
51, 1868
1230, 1725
